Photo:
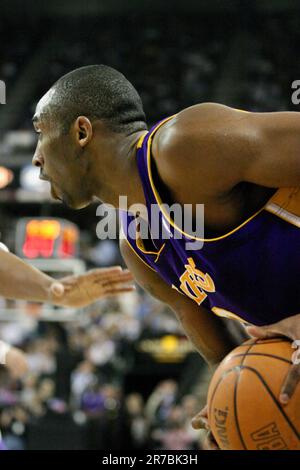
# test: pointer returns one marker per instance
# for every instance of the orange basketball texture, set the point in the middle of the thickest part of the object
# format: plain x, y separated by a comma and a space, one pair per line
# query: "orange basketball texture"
243, 407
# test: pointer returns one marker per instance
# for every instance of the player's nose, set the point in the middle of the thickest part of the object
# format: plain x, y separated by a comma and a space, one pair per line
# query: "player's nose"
37, 160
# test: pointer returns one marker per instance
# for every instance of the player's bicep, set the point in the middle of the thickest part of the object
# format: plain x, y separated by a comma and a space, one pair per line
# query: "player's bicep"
275, 159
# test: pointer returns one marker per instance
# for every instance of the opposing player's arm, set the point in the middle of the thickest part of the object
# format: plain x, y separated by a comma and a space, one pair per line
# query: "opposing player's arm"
219, 147
203, 328
20, 280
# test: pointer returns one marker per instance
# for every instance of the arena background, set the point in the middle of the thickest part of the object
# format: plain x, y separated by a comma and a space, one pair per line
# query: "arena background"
119, 374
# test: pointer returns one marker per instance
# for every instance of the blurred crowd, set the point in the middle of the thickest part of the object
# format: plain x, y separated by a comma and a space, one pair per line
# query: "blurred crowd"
174, 61
73, 396
269, 67
171, 61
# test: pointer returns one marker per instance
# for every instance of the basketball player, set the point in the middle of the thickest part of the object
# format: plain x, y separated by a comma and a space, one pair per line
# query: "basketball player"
244, 167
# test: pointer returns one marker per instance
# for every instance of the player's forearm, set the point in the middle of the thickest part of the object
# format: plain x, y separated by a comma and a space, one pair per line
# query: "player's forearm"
19, 280
207, 333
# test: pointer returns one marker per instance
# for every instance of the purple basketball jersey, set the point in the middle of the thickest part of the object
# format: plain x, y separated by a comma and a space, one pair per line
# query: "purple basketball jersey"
250, 274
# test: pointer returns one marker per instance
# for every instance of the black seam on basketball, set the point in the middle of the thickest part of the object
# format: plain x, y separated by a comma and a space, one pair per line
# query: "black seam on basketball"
235, 410
217, 385
266, 355
271, 341
274, 399
235, 394
265, 341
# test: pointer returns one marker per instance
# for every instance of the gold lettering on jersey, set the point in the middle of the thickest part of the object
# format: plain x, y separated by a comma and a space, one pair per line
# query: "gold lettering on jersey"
195, 283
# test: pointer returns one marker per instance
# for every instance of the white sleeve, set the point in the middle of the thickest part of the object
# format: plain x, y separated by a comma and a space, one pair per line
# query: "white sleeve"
4, 348
3, 247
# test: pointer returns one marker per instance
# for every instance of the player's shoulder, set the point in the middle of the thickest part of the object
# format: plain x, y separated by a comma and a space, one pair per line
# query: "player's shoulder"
205, 111
210, 137
196, 125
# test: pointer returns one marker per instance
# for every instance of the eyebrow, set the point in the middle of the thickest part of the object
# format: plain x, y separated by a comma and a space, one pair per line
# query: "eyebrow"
35, 118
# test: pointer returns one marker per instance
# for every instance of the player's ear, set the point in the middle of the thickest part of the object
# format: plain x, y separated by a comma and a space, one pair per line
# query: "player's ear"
83, 130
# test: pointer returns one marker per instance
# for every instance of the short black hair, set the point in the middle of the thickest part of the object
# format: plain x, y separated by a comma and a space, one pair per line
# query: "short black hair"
97, 92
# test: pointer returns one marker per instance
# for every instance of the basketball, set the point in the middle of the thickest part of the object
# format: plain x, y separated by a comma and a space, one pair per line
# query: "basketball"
243, 399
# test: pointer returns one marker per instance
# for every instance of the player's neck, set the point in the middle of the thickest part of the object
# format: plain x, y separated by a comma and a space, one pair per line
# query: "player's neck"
116, 171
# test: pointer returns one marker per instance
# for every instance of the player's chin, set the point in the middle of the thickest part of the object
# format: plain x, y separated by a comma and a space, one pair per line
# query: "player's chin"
54, 194
74, 203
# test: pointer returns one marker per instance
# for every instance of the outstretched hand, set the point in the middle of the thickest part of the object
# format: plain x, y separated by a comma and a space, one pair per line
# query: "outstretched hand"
84, 289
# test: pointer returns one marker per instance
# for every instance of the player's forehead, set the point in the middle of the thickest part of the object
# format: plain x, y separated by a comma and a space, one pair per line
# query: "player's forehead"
42, 106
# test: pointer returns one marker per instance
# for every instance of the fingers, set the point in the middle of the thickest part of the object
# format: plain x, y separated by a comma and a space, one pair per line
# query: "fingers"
210, 442
104, 273
290, 384
296, 354
120, 290
118, 285
106, 276
121, 278
286, 327
98, 276
260, 332
200, 421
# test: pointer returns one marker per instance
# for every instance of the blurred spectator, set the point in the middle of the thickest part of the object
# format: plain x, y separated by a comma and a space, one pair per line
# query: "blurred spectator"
40, 357
161, 401
136, 425
82, 378
102, 348
92, 401
173, 434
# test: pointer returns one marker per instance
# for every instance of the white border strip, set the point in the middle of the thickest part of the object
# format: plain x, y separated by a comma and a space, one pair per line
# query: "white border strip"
283, 214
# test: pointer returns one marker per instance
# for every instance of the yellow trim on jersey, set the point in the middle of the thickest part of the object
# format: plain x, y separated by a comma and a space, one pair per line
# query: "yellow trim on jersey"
141, 140
159, 201
241, 110
178, 290
159, 253
138, 254
222, 312
140, 245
